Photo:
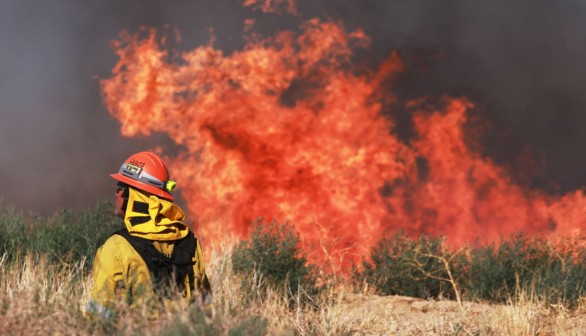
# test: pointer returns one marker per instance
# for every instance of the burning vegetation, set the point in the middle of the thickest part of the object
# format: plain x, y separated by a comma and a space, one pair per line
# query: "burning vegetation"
295, 129
292, 128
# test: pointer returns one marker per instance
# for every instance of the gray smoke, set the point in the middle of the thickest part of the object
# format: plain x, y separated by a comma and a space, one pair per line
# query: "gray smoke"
521, 62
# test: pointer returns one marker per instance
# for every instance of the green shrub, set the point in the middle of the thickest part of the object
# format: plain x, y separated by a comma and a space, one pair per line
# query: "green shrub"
403, 266
13, 229
415, 267
526, 263
272, 257
62, 236
495, 270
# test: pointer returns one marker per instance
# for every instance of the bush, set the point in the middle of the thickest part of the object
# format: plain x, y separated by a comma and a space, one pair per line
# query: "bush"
524, 263
13, 230
403, 266
272, 257
414, 267
62, 236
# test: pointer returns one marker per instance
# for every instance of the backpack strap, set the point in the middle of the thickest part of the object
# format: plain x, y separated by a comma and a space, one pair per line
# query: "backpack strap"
183, 255
152, 257
161, 267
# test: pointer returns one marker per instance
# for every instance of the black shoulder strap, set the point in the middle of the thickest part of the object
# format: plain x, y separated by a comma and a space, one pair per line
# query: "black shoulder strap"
152, 257
162, 268
183, 258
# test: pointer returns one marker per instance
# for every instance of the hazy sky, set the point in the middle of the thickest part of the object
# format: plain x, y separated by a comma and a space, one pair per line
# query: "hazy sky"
522, 62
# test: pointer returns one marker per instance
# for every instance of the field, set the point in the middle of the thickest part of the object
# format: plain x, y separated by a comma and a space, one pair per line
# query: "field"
39, 298
43, 291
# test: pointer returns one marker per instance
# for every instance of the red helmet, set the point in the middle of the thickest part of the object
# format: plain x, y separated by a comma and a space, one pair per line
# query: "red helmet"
146, 171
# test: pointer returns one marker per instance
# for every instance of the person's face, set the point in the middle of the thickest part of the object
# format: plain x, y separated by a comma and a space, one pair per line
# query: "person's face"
120, 198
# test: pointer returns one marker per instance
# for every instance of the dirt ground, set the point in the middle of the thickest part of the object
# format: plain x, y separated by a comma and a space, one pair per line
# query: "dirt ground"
398, 315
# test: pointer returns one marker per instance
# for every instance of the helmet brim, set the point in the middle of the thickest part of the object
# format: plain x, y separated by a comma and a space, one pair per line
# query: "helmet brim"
143, 186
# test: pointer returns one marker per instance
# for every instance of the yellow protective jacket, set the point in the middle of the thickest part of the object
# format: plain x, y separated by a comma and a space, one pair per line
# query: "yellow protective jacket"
120, 274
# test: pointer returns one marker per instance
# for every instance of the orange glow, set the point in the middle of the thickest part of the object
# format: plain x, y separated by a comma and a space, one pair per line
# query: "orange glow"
289, 129
273, 6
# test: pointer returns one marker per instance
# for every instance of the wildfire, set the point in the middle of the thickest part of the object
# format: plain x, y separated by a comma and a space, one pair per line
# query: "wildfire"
290, 130
273, 6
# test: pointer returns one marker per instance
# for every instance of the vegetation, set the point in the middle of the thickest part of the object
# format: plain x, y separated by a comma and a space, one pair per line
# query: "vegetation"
262, 286
61, 237
411, 267
272, 257
529, 263
426, 268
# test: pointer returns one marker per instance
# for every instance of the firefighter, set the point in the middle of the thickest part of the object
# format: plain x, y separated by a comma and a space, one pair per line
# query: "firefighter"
155, 259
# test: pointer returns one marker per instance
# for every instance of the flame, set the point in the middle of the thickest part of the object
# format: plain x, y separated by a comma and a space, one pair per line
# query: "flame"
291, 130
273, 6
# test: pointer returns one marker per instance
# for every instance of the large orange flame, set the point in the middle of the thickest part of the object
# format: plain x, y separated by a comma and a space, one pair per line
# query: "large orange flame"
289, 129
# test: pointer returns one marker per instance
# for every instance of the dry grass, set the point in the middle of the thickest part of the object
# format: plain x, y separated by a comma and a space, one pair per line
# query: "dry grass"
39, 298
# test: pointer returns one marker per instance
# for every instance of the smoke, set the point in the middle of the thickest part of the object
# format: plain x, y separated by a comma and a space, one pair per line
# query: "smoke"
57, 140
521, 63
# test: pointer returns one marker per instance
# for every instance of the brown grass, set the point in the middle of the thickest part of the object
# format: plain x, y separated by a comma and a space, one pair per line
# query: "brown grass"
39, 298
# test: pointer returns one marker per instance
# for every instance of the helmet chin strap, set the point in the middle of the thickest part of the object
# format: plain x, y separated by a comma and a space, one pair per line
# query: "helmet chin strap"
124, 196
